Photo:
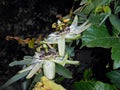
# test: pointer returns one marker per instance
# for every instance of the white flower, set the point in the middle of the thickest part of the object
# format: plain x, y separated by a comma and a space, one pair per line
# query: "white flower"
75, 29
73, 32
47, 63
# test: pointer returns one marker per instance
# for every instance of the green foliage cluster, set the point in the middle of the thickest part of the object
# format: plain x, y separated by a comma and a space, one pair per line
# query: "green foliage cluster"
104, 32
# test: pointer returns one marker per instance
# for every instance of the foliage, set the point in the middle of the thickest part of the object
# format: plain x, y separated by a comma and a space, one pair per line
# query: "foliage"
99, 33
114, 76
104, 32
90, 85
92, 19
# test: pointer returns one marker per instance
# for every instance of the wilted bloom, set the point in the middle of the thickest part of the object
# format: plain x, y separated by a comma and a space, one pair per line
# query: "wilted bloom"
46, 84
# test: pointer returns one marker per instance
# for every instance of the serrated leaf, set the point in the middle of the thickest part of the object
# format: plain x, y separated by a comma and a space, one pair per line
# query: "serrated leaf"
22, 62
99, 37
104, 86
14, 79
84, 85
90, 85
63, 71
115, 77
96, 37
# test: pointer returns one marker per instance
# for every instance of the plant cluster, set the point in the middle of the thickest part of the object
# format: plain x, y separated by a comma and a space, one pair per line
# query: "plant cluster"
97, 24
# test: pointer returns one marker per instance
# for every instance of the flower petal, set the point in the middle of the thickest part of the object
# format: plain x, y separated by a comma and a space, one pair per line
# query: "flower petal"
34, 70
61, 45
74, 23
49, 69
26, 69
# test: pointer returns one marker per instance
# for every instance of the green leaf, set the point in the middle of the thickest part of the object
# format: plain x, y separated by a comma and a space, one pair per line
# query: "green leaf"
107, 9
88, 8
100, 2
84, 85
98, 36
70, 51
22, 62
14, 79
103, 86
94, 4
115, 77
63, 71
117, 10
115, 21
116, 55
90, 85
87, 74
35, 80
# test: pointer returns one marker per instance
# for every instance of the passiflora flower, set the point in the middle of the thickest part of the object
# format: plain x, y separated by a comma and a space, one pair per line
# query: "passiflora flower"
45, 61
46, 84
69, 32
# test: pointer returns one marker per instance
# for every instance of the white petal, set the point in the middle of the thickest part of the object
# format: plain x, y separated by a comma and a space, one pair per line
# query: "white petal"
26, 69
49, 69
34, 70
61, 46
36, 55
70, 35
59, 22
80, 29
75, 22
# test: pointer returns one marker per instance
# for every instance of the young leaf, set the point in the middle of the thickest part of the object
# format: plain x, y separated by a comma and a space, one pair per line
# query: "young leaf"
14, 79
107, 9
63, 71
